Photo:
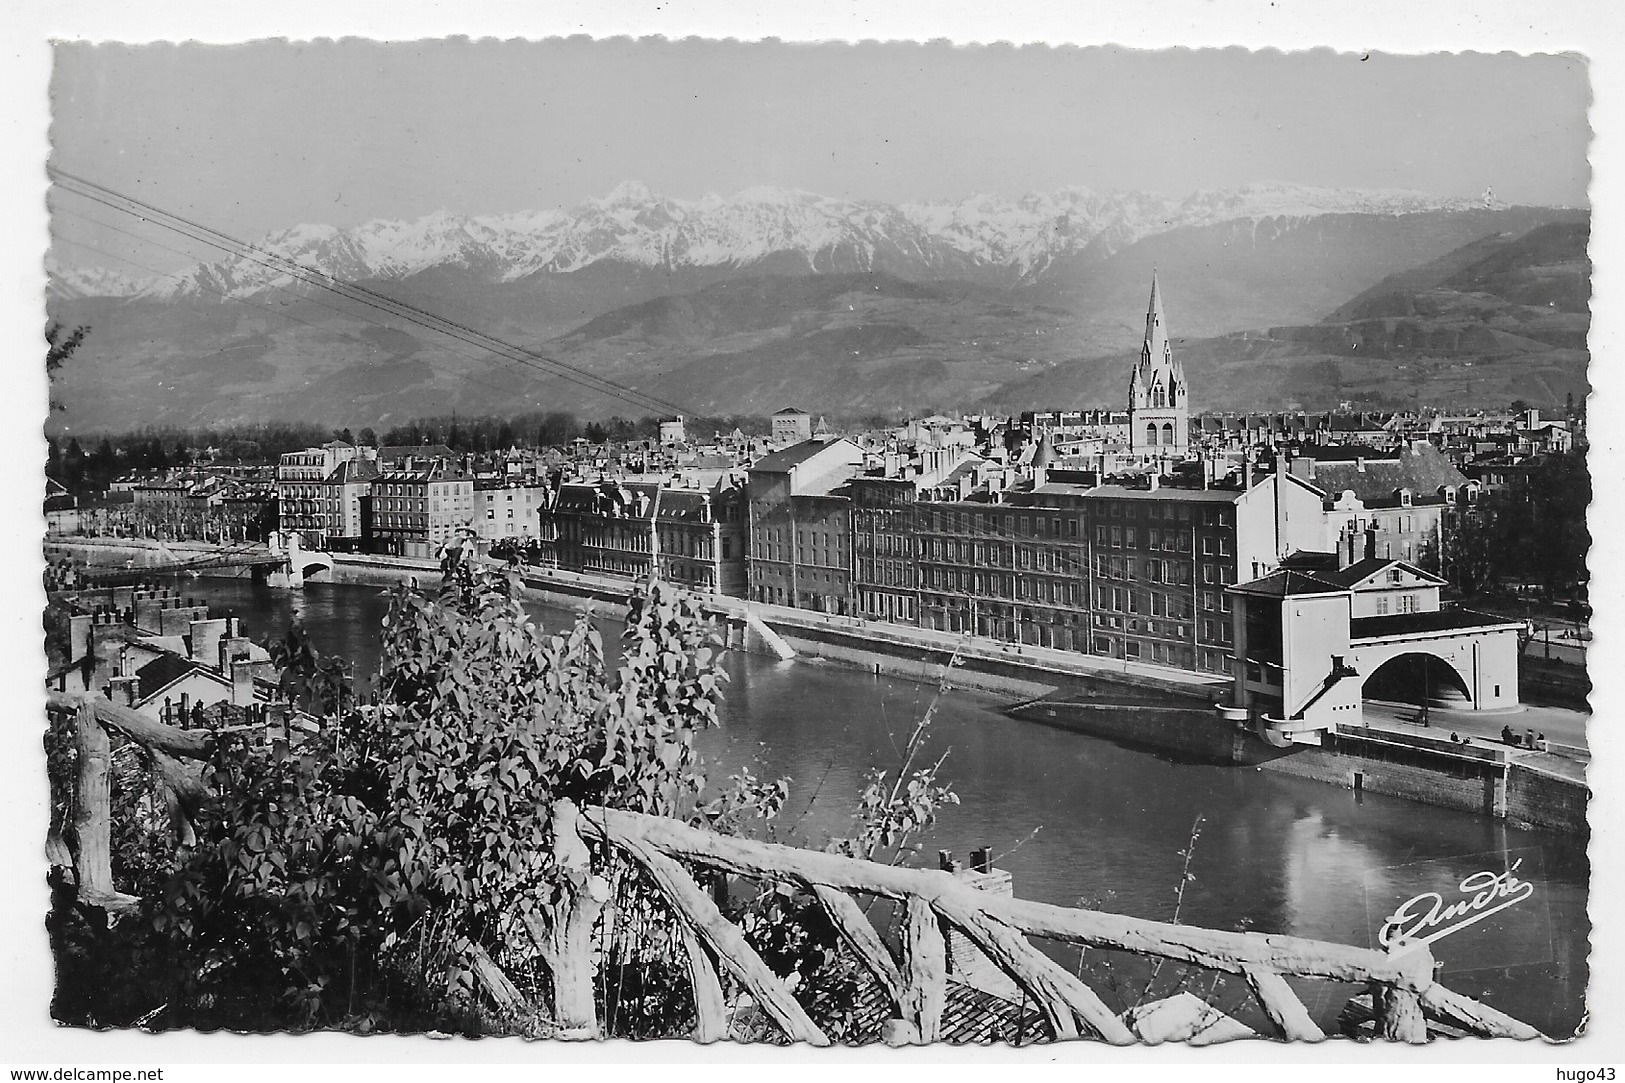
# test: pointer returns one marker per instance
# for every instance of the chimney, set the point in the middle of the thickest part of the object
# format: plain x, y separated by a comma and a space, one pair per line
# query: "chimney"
79, 631
207, 636
146, 613
1359, 463
122, 690
1156, 480
175, 621
242, 682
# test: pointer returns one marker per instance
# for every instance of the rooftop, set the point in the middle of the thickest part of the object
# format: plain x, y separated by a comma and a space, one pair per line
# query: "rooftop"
1163, 492
782, 462
1365, 569
1422, 470
162, 672
1288, 582
424, 451
1441, 620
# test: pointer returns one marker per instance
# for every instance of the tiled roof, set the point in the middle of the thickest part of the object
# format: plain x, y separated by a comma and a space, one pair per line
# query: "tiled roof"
1360, 569
161, 672
1423, 471
1364, 569
682, 504
353, 470
860, 1005
1285, 583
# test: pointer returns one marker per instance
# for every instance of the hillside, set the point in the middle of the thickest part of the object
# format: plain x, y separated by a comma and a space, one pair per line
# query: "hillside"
842, 308
1501, 318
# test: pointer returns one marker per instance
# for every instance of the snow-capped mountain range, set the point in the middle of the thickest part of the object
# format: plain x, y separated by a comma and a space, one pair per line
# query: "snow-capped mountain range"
1012, 239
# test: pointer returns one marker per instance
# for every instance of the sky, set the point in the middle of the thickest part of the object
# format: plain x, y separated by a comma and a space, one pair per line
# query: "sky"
253, 138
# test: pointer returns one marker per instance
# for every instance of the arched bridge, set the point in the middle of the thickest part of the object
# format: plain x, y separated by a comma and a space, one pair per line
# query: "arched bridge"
286, 557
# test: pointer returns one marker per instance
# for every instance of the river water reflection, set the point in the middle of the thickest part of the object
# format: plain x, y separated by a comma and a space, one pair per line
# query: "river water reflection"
1080, 819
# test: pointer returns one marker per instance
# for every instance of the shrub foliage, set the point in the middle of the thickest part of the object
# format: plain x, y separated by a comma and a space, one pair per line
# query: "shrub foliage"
358, 876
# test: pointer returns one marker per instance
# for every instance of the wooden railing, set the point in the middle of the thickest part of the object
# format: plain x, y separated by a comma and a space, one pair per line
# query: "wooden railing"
1401, 981
591, 843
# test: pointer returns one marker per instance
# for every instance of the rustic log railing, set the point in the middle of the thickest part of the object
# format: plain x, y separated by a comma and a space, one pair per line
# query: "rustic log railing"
1404, 992
1404, 995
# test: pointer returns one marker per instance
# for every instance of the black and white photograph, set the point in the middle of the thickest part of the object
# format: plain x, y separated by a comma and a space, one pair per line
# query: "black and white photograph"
581, 539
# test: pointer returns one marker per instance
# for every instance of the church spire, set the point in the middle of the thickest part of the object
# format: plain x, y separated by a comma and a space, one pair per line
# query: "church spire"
1158, 419
1156, 352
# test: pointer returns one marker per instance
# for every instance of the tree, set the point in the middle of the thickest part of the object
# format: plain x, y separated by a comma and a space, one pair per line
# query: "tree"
1468, 561
369, 438
412, 836
60, 345
558, 428
1561, 491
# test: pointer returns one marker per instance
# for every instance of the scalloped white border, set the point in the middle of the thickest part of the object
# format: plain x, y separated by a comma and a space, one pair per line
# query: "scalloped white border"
27, 1039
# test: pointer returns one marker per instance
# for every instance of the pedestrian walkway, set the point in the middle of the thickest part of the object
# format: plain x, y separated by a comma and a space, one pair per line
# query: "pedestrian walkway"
1567, 754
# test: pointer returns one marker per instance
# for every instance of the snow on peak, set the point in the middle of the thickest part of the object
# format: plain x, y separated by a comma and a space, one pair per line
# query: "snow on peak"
74, 282
626, 192
634, 225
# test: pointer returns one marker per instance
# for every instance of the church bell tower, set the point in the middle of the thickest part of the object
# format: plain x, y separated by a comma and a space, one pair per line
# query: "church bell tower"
1158, 410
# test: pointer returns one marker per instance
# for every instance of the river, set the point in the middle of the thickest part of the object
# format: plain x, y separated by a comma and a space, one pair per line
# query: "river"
1081, 820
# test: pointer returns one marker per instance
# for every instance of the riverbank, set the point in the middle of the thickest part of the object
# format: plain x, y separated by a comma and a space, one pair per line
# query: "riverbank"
920, 654
1166, 711
1522, 787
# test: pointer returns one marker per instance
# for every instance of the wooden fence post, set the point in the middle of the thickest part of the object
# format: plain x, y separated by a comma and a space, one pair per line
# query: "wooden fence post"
925, 973
710, 1009
93, 869
1399, 1005
565, 937
1285, 1011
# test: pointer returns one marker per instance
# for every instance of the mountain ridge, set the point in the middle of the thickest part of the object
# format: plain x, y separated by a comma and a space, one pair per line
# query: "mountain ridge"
982, 236
852, 336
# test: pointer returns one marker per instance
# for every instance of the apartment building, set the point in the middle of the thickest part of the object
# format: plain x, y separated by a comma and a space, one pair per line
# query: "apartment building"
415, 512
800, 528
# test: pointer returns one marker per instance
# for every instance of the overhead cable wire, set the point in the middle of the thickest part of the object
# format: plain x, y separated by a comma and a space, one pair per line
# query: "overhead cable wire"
401, 310
275, 311
350, 291
203, 234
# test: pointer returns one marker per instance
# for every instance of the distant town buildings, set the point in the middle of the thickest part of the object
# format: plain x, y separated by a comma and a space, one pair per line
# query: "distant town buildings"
301, 489
791, 426
800, 529
1137, 533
